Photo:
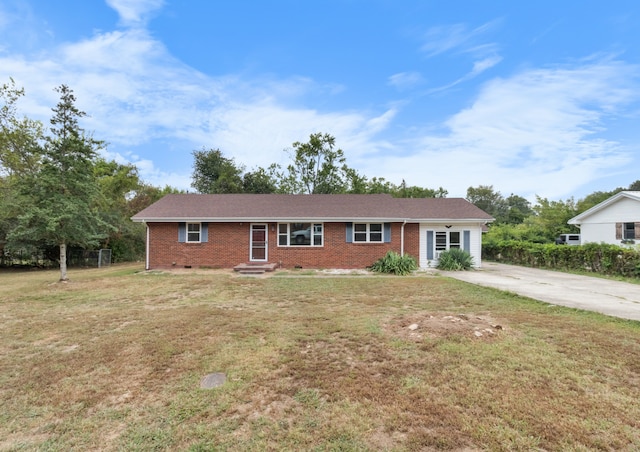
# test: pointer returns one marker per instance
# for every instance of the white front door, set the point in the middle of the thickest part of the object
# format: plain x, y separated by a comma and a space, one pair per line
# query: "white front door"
259, 243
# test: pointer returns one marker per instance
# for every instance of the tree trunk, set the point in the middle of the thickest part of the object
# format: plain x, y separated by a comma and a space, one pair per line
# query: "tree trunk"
63, 262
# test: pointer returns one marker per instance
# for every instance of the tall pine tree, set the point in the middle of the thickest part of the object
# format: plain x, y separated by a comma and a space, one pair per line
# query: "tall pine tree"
61, 197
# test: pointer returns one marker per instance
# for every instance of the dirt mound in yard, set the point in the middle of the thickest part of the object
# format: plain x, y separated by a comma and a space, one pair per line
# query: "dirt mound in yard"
433, 325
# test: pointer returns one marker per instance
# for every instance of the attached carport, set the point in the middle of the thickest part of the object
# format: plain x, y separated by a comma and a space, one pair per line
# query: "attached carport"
614, 298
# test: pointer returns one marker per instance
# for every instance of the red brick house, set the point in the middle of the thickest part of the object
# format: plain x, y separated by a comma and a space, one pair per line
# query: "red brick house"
308, 231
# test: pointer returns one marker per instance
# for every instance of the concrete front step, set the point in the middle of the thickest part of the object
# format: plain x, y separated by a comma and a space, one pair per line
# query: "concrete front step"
252, 268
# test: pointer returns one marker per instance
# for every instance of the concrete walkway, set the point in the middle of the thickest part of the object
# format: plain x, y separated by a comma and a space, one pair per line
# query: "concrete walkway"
618, 299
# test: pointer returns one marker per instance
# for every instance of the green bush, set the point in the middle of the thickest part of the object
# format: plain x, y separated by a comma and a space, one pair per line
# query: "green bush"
395, 264
455, 259
593, 257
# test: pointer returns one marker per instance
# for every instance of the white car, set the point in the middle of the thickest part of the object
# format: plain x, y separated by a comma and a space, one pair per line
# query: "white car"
302, 235
568, 239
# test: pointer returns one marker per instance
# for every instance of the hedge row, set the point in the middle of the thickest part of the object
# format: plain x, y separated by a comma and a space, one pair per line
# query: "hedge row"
593, 257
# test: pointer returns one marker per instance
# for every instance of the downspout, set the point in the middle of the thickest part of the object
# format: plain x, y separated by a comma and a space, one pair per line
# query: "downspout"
402, 239
146, 251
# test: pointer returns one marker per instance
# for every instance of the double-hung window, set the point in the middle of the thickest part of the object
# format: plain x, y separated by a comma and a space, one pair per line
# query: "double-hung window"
193, 232
629, 231
367, 232
300, 234
447, 240
439, 241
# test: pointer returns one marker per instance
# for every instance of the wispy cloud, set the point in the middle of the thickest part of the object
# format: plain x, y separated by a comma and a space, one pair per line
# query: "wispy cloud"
463, 42
478, 68
538, 128
139, 96
135, 12
405, 80
457, 37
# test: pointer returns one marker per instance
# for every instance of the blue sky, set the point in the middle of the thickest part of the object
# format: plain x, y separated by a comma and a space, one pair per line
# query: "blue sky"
534, 98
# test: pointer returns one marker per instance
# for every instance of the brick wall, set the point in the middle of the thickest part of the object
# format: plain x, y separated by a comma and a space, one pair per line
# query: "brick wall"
228, 246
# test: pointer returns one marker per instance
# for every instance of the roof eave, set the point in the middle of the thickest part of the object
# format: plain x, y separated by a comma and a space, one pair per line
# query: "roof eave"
607, 202
307, 219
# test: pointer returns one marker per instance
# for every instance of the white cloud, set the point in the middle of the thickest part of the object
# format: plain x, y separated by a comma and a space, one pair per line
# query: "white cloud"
458, 37
478, 68
405, 80
482, 65
135, 12
533, 133
256, 134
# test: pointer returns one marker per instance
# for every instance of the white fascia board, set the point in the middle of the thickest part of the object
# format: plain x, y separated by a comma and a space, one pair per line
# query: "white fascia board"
263, 220
451, 220
307, 220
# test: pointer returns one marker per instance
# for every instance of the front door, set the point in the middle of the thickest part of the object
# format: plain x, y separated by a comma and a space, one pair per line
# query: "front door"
259, 242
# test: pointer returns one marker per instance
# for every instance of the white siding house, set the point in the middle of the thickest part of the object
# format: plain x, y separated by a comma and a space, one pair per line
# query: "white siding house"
615, 221
436, 238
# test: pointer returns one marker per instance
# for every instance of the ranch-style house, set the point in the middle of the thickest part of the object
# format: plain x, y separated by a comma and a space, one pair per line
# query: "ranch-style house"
306, 231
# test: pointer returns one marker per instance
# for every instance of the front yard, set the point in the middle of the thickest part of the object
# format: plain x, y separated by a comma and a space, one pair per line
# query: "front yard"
113, 360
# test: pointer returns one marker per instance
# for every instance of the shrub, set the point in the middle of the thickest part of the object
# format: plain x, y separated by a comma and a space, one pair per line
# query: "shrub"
395, 264
593, 257
455, 259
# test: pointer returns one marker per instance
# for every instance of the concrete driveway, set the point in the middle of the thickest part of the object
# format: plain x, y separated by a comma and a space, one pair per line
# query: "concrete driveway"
618, 299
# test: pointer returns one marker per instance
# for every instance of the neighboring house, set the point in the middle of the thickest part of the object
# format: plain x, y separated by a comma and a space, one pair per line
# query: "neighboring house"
615, 221
309, 231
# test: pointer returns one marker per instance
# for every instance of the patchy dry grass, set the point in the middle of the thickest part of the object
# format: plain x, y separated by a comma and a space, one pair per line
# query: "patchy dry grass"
113, 361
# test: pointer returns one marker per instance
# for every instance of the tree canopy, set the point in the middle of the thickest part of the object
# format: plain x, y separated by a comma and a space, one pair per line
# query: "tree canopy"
215, 173
57, 192
59, 200
317, 167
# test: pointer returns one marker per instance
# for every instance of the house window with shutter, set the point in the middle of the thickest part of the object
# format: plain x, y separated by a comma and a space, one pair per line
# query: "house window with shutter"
629, 231
367, 232
439, 241
193, 232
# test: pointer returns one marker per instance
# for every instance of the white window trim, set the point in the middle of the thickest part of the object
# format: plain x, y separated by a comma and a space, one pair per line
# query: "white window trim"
447, 245
368, 233
199, 232
295, 245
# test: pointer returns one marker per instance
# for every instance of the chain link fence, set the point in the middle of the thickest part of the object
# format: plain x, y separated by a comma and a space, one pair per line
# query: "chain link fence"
40, 259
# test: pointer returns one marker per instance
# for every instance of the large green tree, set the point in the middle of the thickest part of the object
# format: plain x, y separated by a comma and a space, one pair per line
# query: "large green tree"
118, 184
517, 209
489, 200
552, 216
595, 198
259, 181
214, 173
413, 191
20, 137
62, 196
318, 167
20, 155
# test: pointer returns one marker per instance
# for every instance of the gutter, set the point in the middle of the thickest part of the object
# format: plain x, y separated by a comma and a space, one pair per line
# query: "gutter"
146, 248
402, 239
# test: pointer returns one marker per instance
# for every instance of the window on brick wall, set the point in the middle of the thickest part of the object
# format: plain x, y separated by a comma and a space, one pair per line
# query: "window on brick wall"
367, 232
300, 234
193, 232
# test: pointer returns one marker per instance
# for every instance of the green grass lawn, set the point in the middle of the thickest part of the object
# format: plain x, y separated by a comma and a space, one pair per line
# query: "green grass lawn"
113, 360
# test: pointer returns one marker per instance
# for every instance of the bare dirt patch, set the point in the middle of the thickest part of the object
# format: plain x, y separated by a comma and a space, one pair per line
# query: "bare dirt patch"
433, 325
